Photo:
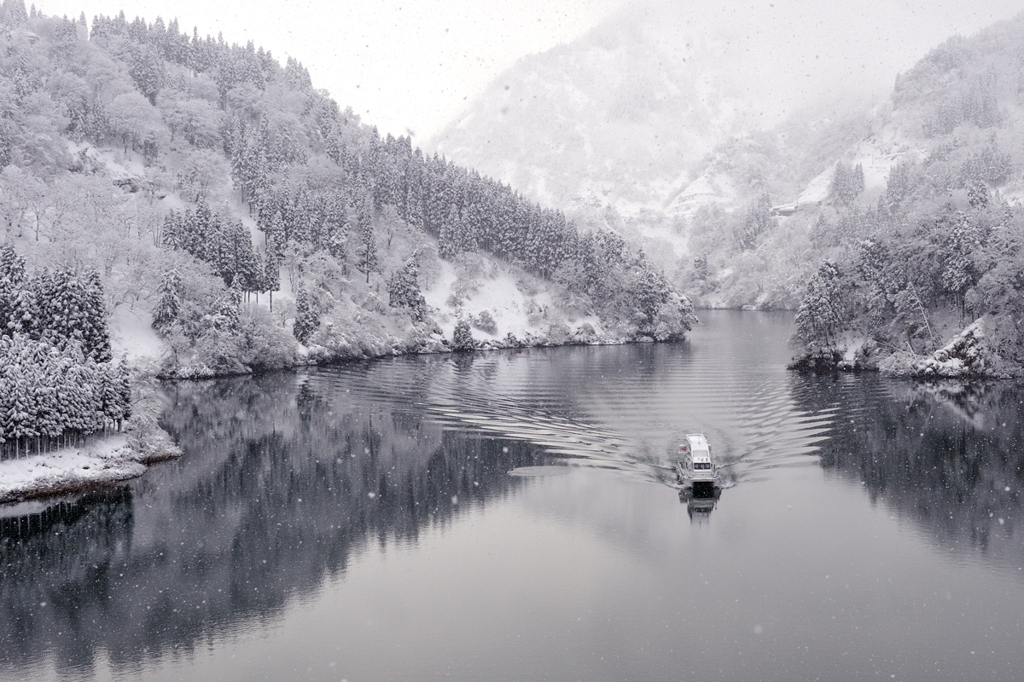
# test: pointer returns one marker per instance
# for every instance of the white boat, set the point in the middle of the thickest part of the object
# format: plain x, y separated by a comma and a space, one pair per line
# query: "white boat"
696, 464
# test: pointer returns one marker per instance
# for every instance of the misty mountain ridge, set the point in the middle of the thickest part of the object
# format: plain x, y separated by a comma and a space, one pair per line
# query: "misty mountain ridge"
624, 115
676, 170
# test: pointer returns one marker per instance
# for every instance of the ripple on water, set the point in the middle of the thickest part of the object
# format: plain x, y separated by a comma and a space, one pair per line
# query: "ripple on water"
625, 410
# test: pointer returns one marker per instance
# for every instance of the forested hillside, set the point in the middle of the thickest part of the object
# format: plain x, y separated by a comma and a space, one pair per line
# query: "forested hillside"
667, 122
937, 242
200, 178
667, 143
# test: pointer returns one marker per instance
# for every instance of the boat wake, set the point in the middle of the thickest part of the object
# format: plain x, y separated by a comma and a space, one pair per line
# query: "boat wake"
625, 422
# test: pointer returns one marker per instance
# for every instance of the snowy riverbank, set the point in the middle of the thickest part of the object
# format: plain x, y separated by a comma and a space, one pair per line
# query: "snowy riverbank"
100, 462
968, 355
354, 346
69, 470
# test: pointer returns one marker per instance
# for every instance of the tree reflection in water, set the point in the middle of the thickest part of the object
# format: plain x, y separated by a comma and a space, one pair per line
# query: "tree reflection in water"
287, 477
948, 456
282, 480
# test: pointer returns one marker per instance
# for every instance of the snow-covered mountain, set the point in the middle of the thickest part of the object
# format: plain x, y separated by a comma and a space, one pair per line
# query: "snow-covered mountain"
624, 115
616, 117
670, 125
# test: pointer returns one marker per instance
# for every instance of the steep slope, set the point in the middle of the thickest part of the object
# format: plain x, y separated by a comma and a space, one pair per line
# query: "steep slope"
622, 115
616, 117
672, 124
936, 240
202, 178
605, 112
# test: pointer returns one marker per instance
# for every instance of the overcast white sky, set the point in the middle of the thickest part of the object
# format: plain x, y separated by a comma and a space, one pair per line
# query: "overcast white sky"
413, 65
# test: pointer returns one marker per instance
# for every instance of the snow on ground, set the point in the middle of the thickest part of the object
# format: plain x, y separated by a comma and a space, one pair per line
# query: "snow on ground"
964, 354
132, 335
501, 290
438, 293
1013, 192
876, 154
507, 304
496, 291
707, 189
817, 189
100, 463
120, 166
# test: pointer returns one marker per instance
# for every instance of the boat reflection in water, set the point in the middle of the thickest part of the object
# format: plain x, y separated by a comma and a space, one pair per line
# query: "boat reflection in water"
700, 499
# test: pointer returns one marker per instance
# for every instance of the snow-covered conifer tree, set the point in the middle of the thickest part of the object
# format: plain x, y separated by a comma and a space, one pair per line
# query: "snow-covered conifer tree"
307, 320
169, 306
404, 290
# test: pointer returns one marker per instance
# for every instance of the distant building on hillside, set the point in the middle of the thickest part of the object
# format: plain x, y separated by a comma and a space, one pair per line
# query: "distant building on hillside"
784, 209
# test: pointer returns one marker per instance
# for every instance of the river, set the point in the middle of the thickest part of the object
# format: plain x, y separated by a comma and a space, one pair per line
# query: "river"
514, 516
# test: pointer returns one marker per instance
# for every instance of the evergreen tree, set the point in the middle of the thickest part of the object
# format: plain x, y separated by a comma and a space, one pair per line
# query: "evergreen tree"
71, 309
307, 320
227, 311
168, 308
337, 242
146, 68
649, 291
12, 280
96, 335
960, 238
847, 183
50, 394
404, 290
272, 266
822, 312
366, 248
448, 238
977, 195
898, 187
123, 382
246, 267
172, 234
757, 221
13, 12
700, 266
462, 337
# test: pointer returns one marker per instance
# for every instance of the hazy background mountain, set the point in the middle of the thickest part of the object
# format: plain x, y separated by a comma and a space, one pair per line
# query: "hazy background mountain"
622, 115
672, 125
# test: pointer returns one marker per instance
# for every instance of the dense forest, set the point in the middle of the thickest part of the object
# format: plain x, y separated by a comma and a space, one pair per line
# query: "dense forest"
57, 381
942, 245
200, 177
255, 223
890, 230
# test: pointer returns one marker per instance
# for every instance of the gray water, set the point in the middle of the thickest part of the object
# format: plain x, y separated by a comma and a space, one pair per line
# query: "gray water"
514, 516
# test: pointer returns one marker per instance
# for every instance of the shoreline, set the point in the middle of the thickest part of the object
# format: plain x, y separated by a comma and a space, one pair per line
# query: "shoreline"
102, 462
322, 356
121, 457
966, 357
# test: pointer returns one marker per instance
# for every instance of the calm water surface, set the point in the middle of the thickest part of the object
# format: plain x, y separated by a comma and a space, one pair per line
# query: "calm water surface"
513, 516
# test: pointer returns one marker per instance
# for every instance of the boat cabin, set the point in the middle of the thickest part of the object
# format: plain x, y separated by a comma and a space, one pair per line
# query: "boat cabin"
695, 460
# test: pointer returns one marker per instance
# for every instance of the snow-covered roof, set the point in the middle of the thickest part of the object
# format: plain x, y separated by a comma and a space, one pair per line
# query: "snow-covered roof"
697, 439
698, 444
